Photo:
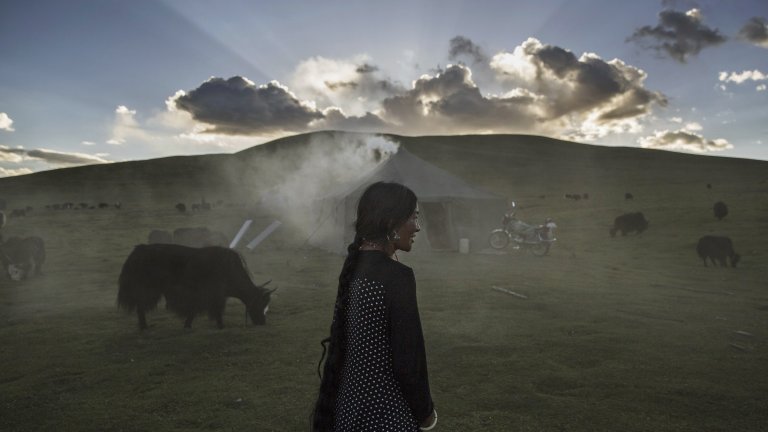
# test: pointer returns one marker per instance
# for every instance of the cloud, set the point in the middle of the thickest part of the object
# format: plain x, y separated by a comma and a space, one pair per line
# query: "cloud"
761, 87
449, 101
740, 77
51, 157
236, 106
88, 143
5, 122
366, 68
679, 35
683, 139
174, 131
355, 85
464, 47
693, 126
126, 127
755, 31
536, 88
590, 96
10, 172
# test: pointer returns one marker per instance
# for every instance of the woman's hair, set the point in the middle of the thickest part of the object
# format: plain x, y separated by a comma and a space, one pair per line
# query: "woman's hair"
382, 208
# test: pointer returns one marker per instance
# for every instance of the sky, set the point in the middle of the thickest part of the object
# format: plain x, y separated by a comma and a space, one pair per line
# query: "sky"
100, 81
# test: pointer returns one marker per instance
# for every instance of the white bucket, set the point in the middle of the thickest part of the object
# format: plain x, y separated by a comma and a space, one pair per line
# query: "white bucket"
464, 245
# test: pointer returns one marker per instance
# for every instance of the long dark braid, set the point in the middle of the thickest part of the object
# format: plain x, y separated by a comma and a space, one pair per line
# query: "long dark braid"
382, 207
323, 415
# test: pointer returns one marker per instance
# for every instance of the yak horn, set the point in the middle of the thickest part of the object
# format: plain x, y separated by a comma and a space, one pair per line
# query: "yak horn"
266, 283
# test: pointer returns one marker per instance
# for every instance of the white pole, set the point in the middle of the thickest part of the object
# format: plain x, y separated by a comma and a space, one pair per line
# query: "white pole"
264, 234
240, 233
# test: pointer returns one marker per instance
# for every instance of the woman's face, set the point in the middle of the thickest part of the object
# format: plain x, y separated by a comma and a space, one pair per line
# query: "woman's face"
407, 232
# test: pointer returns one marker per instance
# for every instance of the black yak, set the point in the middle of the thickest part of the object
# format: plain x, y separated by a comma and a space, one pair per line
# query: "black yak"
717, 248
192, 280
629, 222
22, 256
720, 210
628, 196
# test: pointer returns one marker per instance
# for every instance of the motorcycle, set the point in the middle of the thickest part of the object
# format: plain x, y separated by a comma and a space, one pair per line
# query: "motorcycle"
537, 239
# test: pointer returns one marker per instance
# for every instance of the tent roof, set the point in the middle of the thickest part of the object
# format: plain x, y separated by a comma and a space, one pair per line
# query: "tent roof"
427, 181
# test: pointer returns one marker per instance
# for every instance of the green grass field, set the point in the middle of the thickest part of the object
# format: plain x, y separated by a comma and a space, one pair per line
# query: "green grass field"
616, 334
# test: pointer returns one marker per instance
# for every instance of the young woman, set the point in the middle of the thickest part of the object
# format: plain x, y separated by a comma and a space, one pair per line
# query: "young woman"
375, 376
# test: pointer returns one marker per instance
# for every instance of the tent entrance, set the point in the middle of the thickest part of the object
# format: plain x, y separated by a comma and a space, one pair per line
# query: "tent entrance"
437, 224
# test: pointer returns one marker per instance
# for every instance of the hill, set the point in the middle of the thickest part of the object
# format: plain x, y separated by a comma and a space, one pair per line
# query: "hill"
510, 165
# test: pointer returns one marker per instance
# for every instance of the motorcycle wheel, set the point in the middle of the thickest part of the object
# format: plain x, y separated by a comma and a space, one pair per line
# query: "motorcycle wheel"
541, 248
498, 239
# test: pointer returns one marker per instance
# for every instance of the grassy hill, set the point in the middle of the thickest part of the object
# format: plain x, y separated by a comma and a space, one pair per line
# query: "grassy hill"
628, 333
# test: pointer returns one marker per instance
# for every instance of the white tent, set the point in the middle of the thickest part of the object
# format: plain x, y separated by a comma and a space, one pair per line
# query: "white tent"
449, 207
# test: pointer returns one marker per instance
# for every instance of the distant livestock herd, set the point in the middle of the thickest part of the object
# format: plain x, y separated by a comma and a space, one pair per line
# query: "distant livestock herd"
718, 249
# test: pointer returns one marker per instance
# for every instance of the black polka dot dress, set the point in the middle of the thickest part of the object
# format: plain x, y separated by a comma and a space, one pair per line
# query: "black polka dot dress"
384, 385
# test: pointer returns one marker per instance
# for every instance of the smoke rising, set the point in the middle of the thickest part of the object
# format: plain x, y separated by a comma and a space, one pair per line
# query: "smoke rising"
332, 161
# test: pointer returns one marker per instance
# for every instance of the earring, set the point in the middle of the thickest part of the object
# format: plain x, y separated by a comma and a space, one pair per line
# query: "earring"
394, 236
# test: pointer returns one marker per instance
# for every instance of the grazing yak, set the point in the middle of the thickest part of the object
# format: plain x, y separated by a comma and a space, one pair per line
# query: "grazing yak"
22, 256
720, 210
192, 280
717, 248
629, 222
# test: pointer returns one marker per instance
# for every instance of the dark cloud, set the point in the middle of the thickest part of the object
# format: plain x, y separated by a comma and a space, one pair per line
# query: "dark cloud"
366, 68
588, 83
462, 46
341, 85
450, 101
755, 31
636, 102
48, 156
678, 34
237, 106
574, 97
556, 59
366, 87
